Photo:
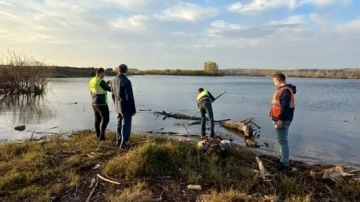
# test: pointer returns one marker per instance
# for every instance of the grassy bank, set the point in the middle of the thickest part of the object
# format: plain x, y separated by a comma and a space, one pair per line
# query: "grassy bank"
154, 169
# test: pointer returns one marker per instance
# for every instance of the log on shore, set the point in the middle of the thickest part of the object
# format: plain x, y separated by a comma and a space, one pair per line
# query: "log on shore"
176, 116
246, 126
184, 117
249, 141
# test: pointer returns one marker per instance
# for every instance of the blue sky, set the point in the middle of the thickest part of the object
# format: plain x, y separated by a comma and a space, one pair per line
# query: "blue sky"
170, 34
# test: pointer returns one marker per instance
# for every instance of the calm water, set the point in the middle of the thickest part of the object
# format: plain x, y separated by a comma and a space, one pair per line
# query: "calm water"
325, 128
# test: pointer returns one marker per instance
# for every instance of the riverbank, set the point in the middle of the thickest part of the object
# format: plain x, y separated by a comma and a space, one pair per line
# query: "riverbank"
153, 169
72, 72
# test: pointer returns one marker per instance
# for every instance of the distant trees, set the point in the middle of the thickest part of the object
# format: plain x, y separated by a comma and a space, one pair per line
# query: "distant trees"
211, 67
305, 73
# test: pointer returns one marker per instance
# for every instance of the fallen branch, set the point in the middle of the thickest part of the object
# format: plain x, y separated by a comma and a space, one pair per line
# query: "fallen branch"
176, 116
92, 191
262, 170
199, 122
107, 180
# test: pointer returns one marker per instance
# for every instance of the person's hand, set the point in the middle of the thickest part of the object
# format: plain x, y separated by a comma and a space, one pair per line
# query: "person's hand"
279, 124
270, 113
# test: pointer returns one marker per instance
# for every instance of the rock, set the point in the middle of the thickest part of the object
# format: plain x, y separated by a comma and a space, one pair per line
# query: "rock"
194, 187
20, 128
119, 191
92, 183
96, 166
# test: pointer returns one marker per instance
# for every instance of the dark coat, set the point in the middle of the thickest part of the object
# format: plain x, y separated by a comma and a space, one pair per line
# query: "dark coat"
122, 95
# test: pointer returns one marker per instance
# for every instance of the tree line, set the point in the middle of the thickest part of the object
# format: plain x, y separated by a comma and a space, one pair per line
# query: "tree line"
301, 73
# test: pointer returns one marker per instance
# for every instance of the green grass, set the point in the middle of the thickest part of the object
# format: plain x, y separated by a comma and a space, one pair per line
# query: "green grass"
153, 167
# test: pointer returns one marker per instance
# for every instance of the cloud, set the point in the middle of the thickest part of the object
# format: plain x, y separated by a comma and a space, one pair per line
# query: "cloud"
132, 4
134, 22
180, 33
259, 6
221, 24
188, 12
352, 26
296, 19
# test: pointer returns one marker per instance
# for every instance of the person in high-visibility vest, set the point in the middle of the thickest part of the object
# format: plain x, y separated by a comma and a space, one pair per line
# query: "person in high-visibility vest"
282, 113
204, 100
98, 90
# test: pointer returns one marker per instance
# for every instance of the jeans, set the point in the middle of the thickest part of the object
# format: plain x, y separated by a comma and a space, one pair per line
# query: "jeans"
282, 137
206, 108
102, 117
123, 129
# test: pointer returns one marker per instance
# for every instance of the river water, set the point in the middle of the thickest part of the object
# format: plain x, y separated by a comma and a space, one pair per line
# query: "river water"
325, 128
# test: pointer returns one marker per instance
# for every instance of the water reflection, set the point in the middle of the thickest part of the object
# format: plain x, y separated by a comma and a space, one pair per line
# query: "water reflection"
26, 109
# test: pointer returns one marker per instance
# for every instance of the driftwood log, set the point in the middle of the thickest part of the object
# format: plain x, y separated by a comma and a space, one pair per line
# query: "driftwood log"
175, 116
246, 126
184, 117
249, 141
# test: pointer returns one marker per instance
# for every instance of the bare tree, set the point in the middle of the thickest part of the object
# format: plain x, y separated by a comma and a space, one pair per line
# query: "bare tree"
22, 74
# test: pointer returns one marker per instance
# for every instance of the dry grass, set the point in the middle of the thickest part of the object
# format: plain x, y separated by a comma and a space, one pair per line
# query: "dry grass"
155, 167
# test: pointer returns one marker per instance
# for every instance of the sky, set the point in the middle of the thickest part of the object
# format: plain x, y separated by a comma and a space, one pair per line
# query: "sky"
179, 34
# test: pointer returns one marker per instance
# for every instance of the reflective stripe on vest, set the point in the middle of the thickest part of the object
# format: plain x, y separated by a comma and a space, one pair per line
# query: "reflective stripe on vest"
275, 102
96, 90
202, 95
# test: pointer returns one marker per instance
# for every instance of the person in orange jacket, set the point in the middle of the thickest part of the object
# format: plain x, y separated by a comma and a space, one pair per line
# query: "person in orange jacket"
282, 113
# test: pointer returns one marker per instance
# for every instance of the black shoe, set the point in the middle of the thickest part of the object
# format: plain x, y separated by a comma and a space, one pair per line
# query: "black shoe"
283, 168
212, 135
102, 138
123, 146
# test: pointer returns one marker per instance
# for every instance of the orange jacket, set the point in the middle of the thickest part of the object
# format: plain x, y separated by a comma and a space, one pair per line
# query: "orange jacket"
281, 110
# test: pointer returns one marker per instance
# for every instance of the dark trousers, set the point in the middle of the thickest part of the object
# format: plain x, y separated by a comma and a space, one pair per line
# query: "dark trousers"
123, 129
206, 108
101, 120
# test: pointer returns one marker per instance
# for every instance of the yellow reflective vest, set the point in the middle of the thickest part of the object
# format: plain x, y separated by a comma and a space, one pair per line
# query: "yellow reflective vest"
98, 94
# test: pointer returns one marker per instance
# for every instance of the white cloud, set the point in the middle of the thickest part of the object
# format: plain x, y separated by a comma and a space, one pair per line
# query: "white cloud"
349, 27
132, 4
134, 22
187, 12
221, 24
259, 6
98, 33
295, 19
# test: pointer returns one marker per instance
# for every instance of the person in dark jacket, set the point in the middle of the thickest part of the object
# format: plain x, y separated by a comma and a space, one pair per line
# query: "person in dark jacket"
204, 100
98, 90
123, 97
282, 113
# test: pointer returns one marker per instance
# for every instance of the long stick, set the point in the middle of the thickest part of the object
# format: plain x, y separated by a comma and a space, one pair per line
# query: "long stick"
107, 180
199, 111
